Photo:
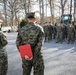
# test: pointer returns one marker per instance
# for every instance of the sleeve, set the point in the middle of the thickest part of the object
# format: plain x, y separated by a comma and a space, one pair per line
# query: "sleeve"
18, 40
39, 43
3, 40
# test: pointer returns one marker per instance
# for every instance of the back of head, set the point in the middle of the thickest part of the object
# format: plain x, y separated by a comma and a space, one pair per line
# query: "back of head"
32, 15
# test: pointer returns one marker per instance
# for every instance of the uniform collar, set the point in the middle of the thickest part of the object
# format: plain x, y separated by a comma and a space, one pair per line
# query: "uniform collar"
31, 23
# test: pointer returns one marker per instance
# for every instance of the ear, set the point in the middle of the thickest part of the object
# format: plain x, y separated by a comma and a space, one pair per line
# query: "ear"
35, 19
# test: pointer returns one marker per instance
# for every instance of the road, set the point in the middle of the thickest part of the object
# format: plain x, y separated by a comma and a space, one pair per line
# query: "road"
59, 59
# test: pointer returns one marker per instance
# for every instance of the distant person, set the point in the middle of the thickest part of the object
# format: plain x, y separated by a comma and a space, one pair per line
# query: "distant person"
3, 54
59, 33
32, 34
71, 32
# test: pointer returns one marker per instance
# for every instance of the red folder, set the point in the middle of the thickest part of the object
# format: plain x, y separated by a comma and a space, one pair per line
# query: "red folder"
25, 50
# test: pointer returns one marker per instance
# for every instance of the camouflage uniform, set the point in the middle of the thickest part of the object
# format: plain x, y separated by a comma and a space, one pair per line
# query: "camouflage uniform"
64, 31
75, 31
50, 27
3, 55
59, 34
70, 31
54, 31
32, 34
46, 30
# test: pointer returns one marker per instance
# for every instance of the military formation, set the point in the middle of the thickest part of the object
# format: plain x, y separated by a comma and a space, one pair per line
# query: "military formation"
60, 32
34, 35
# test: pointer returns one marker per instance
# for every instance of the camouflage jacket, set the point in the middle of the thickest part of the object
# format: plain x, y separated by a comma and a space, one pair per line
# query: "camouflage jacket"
3, 43
32, 34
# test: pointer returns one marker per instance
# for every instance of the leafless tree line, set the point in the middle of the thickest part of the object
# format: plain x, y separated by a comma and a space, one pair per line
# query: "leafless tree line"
13, 8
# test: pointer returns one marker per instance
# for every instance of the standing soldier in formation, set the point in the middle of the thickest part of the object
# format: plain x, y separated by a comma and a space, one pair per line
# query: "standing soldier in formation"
32, 34
50, 27
3, 54
46, 30
59, 33
54, 31
64, 31
70, 33
75, 30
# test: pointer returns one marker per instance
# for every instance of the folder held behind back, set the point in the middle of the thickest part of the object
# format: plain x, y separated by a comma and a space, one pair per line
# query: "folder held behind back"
25, 50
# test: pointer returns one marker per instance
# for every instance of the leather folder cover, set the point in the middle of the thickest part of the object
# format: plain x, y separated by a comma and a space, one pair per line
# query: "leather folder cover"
25, 50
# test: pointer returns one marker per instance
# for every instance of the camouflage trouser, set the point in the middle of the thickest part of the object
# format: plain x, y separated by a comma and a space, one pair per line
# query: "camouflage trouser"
50, 36
3, 65
47, 37
59, 37
70, 37
38, 67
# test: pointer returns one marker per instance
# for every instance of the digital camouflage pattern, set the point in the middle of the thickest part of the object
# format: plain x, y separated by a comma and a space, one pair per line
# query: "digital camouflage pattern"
70, 31
32, 34
50, 27
46, 30
59, 29
3, 55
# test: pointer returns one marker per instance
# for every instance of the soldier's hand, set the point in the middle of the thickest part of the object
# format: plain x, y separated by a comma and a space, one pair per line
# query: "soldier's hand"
31, 58
27, 58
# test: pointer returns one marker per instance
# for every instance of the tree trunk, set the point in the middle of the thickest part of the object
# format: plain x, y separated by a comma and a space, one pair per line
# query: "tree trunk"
46, 8
12, 15
51, 10
62, 7
5, 22
28, 6
40, 9
75, 11
25, 7
70, 6
63, 3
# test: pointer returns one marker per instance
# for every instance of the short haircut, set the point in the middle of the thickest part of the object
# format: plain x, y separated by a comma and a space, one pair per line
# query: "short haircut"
32, 15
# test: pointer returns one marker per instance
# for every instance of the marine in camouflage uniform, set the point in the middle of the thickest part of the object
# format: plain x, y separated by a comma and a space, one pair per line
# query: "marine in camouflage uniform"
64, 31
32, 34
3, 54
50, 27
54, 31
70, 31
46, 30
59, 33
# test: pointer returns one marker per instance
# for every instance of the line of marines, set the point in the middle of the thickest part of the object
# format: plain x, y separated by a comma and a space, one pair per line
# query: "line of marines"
60, 32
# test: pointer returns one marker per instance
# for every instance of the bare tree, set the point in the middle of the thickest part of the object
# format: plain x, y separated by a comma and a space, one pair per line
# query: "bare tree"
13, 7
75, 10
41, 7
51, 10
5, 12
42, 18
25, 6
29, 6
71, 6
63, 3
